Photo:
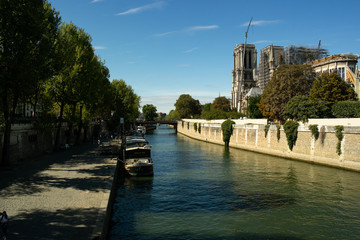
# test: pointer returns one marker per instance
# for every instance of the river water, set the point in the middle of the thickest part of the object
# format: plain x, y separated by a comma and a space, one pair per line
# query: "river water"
202, 191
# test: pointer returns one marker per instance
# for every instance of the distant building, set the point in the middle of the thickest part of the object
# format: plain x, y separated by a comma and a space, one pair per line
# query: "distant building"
303, 55
243, 74
344, 65
270, 58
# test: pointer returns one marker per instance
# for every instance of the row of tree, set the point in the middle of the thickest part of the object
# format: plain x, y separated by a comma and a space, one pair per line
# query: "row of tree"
188, 107
52, 66
294, 92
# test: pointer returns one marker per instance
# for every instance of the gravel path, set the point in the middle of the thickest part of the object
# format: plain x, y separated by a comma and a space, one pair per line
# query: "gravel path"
61, 195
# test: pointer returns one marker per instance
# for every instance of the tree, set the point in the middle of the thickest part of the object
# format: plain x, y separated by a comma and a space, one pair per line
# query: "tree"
187, 107
300, 108
332, 88
346, 109
72, 83
221, 103
287, 81
173, 115
126, 103
253, 110
28, 31
149, 112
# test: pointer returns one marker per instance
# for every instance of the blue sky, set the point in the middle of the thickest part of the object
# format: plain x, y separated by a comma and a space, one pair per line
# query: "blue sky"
165, 48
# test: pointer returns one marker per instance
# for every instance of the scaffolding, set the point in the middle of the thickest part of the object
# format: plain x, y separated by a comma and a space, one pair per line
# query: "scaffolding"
303, 55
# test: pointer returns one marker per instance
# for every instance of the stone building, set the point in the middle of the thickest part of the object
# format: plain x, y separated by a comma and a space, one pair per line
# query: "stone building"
243, 74
344, 65
270, 58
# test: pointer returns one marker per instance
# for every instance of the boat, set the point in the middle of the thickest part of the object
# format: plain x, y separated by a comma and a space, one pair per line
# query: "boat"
141, 130
137, 156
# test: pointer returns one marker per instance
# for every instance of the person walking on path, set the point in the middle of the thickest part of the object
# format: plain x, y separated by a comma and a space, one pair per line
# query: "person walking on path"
4, 223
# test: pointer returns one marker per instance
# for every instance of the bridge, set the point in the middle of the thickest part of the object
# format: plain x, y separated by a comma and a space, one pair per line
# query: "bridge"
167, 122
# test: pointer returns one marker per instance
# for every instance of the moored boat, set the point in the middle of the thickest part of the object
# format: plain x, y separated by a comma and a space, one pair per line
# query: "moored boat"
137, 157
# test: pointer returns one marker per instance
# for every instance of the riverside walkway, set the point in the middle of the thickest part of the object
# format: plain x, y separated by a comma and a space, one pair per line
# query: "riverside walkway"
61, 195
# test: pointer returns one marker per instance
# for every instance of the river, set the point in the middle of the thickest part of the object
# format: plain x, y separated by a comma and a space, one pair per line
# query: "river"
202, 191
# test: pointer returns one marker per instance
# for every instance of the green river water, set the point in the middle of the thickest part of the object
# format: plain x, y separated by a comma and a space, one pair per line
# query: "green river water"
202, 191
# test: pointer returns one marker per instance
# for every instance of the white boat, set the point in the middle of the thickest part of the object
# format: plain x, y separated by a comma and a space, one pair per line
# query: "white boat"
141, 130
137, 157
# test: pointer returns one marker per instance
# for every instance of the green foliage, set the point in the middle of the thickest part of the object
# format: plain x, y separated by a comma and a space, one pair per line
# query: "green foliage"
314, 131
195, 127
187, 107
227, 129
199, 128
339, 134
221, 103
332, 88
188, 125
267, 127
287, 81
125, 102
253, 110
278, 132
346, 109
182, 124
291, 131
214, 114
173, 115
149, 112
300, 108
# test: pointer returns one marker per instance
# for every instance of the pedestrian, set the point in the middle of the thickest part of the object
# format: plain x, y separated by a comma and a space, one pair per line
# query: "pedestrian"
4, 224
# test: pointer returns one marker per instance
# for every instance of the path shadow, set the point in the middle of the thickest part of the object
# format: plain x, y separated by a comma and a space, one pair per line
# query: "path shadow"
62, 224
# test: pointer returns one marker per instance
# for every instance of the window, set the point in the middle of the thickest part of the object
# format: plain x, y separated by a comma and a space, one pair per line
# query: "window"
341, 72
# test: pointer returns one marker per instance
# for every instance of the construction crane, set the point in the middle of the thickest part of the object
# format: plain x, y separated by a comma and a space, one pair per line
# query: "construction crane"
243, 65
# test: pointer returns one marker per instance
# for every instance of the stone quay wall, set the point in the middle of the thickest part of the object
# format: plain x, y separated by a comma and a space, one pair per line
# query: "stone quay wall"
27, 142
250, 135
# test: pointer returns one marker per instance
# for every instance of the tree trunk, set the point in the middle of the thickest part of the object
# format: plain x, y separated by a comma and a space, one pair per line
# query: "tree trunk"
80, 126
8, 117
57, 138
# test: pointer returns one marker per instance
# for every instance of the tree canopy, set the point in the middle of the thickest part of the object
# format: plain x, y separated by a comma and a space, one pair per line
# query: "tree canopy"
253, 110
287, 81
332, 88
300, 108
221, 103
187, 107
149, 112
28, 29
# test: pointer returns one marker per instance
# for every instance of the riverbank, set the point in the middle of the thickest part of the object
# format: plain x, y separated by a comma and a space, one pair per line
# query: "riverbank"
251, 135
62, 195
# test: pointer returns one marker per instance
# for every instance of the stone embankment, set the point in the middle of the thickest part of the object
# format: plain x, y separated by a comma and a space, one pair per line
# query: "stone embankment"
250, 135
62, 195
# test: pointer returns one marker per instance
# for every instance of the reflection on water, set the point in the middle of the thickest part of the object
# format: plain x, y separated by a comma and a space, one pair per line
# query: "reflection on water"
204, 191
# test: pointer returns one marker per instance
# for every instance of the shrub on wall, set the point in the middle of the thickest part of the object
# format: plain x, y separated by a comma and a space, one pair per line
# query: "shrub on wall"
291, 131
314, 131
195, 127
199, 128
340, 136
346, 109
278, 132
188, 125
182, 124
227, 129
266, 129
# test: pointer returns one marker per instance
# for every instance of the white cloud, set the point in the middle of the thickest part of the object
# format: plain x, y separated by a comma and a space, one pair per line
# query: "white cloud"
201, 28
163, 34
261, 23
155, 5
191, 50
189, 29
99, 47
95, 1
